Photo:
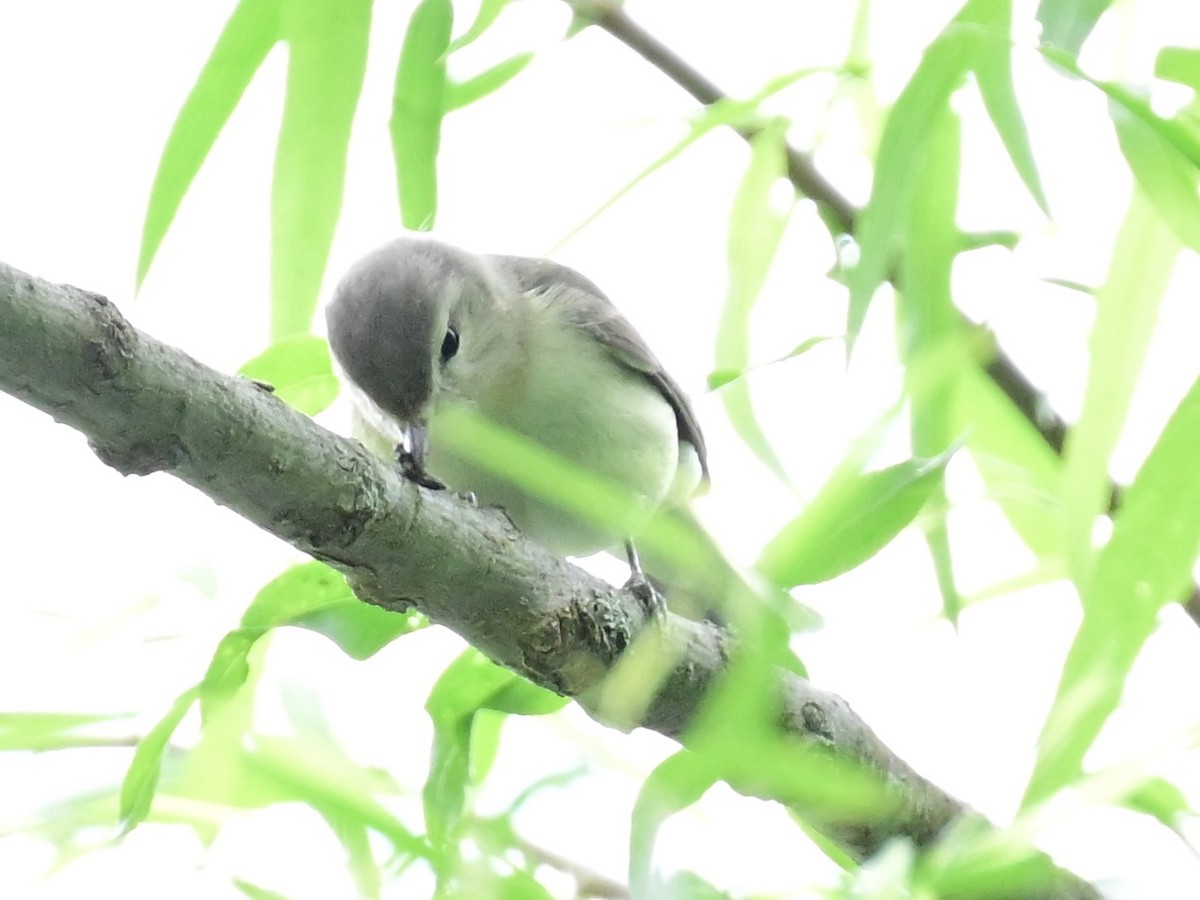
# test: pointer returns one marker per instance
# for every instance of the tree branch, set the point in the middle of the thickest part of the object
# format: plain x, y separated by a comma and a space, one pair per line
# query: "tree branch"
148, 407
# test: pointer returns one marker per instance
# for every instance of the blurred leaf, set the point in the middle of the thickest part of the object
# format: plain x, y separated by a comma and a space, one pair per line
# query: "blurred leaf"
519, 886
1179, 64
469, 684
718, 378
1180, 133
991, 62
229, 668
1167, 178
417, 110
1145, 565
978, 39
928, 321
299, 368
1067, 23
327, 60
323, 777
940, 72
1126, 313
675, 784
254, 892
463, 93
1162, 800
45, 730
725, 112
852, 518
1023, 475
308, 595
755, 230
252, 30
141, 781
312, 595
489, 11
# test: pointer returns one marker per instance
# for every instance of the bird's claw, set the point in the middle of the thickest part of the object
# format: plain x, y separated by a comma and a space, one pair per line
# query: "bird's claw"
412, 469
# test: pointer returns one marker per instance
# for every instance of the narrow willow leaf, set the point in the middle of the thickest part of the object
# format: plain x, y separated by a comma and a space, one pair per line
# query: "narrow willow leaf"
141, 781
928, 320
252, 30
1126, 312
853, 517
718, 378
1167, 178
675, 784
940, 73
1022, 473
327, 60
755, 230
725, 112
312, 595
1179, 64
1067, 23
991, 62
489, 11
322, 776
1180, 133
417, 110
1146, 564
38, 731
300, 370
463, 93
466, 686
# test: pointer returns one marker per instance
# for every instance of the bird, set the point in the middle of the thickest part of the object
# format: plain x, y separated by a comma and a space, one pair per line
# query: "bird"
419, 328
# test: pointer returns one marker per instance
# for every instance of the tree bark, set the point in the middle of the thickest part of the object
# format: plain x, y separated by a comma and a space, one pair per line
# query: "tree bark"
148, 407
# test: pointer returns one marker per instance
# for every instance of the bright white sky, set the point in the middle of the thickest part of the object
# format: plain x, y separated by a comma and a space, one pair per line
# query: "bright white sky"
118, 589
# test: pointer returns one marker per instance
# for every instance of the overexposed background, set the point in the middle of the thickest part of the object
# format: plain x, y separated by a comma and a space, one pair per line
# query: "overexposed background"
116, 590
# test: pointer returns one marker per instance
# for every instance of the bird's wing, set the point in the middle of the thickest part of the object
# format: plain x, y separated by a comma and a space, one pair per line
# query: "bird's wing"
592, 312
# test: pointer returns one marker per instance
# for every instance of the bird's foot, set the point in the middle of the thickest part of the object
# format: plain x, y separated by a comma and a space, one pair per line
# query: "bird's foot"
411, 468
647, 595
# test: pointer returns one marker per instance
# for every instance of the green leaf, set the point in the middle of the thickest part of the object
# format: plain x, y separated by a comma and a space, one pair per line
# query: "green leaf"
141, 780
312, 595
463, 93
327, 60
47, 731
469, 684
852, 518
1181, 133
300, 370
929, 323
755, 230
254, 892
718, 378
674, 785
1146, 564
1067, 23
1166, 177
323, 777
1126, 313
1023, 474
252, 30
940, 72
725, 112
1179, 64
489, 11
417, 110
1158, 798
992, 64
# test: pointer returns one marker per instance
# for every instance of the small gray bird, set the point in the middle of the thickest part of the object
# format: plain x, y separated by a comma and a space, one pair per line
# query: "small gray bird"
418, 327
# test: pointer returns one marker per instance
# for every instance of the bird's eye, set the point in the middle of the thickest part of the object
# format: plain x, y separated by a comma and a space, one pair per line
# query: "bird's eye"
449, 344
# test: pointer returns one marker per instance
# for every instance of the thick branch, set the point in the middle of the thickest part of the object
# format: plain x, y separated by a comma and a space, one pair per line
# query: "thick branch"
148, 407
